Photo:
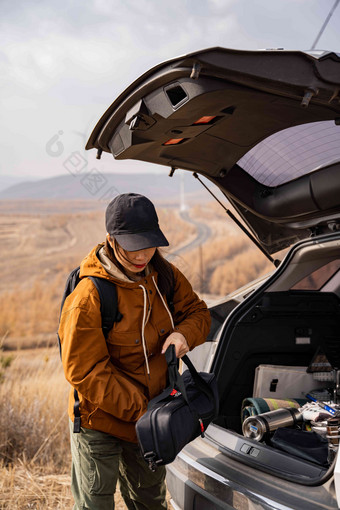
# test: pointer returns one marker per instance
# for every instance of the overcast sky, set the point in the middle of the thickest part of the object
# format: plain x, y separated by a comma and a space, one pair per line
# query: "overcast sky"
63, 63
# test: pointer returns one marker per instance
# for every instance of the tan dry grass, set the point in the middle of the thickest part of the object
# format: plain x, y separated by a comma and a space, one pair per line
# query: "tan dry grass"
34, 442
224, 263
25, 487
175, 229
27, 312
35, 271
240, 270
33, 401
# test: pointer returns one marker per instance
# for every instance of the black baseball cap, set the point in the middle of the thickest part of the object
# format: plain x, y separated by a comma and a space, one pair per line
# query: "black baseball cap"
132, 220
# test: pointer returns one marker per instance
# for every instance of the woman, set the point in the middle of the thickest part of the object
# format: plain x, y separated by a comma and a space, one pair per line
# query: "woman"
117, 376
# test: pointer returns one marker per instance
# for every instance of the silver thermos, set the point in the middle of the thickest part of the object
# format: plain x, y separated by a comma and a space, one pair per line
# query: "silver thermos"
256, 427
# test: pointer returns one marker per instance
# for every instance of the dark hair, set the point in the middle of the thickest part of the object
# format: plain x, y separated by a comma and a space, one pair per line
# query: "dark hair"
159, 263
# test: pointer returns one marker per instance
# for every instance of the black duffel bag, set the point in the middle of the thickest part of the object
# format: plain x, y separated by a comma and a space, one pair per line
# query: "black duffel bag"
179, 414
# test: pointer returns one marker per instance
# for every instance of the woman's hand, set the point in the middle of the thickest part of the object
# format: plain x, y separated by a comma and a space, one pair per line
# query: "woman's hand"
178, 340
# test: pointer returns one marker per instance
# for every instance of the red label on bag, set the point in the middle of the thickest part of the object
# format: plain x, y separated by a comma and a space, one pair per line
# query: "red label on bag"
202, 427
173, 393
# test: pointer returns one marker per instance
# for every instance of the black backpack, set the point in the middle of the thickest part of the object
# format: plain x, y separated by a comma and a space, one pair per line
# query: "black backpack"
107, 295
109, 311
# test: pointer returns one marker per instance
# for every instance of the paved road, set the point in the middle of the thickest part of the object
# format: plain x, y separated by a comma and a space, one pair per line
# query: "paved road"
203, 233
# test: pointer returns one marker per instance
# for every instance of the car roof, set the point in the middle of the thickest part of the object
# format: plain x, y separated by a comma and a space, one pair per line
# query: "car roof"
264, 126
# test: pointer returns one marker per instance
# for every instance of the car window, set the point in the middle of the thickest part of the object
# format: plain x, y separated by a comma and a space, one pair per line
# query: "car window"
319, 277
293, 152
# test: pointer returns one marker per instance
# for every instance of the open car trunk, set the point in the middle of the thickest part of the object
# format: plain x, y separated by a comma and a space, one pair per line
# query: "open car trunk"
288, 325
263, 126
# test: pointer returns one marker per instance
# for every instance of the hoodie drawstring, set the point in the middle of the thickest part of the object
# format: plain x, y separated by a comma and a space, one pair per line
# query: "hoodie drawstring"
145, 296
164, 303
143, 328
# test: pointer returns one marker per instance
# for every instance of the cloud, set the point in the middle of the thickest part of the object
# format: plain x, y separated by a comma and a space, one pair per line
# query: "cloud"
101, 40
63, 63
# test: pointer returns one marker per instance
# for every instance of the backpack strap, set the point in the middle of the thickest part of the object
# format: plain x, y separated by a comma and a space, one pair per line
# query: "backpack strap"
108, 303
71, 283
110, 314
76, 413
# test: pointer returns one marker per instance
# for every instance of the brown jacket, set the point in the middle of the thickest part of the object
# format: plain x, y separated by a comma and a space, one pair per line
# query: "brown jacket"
111, 375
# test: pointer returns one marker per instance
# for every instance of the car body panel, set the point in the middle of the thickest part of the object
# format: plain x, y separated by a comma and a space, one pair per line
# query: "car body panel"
222, 482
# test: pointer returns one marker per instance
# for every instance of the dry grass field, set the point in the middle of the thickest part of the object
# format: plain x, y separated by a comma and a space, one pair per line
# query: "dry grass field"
34, 441
40, 243
33, 432
227, 261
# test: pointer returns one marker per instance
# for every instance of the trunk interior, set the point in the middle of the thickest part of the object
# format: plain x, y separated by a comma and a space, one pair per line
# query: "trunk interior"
265, 347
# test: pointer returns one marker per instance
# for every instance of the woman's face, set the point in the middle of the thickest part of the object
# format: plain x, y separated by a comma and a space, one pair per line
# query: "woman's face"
134, 261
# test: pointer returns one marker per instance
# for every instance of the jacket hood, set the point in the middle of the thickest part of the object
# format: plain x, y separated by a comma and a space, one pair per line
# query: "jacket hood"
98, 264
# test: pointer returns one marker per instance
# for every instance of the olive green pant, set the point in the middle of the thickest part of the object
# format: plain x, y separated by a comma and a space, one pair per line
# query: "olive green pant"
99, 460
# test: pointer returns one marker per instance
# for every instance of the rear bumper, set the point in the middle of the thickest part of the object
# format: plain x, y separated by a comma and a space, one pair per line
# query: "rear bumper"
196, 487
203, 478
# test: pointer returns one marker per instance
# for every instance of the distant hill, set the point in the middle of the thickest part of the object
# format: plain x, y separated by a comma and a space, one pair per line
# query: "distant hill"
96, 186
9, 180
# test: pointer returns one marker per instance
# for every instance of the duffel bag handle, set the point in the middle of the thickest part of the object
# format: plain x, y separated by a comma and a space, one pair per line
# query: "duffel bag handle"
199, 381
175, 378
